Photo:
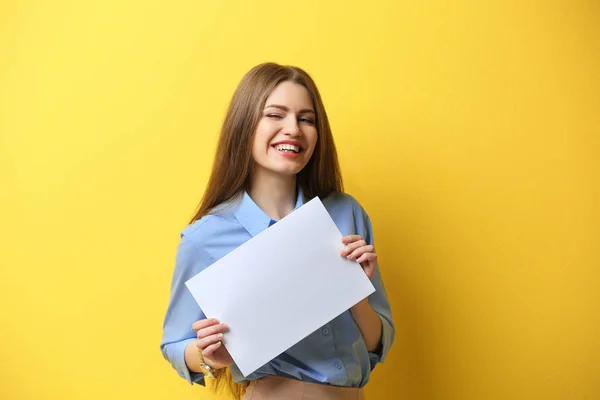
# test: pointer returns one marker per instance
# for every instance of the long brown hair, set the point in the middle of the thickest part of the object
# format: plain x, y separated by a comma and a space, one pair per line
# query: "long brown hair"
233, 161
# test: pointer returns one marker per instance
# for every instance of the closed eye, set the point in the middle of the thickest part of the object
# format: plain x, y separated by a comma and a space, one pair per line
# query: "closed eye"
307, 120
274, 116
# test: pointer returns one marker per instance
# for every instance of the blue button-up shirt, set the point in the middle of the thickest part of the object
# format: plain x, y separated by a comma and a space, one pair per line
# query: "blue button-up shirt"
335, 354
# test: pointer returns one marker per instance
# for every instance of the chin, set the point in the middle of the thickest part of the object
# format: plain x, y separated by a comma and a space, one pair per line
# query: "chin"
287, 171
289, 168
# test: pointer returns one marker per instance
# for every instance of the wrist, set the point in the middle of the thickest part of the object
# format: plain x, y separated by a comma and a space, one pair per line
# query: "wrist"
211, 363
207, 366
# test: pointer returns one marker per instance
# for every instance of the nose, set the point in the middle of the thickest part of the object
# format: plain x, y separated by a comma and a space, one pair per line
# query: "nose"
291, 127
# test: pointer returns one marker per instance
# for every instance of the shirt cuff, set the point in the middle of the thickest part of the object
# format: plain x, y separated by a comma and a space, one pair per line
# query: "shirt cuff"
175, 353
387, 333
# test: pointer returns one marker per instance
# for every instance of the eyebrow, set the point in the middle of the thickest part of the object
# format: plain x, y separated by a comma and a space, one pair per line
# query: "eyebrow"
284, 108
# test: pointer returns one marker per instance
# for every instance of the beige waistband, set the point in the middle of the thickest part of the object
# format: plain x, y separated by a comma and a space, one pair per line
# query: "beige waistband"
278, 388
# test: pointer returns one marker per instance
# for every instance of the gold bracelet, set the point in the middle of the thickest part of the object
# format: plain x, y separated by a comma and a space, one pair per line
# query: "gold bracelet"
207, 370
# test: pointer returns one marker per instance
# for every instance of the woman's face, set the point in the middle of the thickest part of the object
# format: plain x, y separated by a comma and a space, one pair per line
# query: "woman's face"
286, 134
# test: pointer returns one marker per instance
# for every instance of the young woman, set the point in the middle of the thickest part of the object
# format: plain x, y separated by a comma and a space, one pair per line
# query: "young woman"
275, 153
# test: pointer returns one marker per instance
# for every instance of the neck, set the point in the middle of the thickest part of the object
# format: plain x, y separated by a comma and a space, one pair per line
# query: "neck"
274, 193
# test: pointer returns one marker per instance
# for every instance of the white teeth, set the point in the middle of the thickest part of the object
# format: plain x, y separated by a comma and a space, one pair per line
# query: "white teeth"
289, 147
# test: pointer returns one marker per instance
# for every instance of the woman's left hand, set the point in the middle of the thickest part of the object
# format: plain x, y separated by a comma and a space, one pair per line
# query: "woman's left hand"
358, 249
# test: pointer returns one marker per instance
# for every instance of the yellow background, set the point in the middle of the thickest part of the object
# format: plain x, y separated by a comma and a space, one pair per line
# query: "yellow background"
470, 131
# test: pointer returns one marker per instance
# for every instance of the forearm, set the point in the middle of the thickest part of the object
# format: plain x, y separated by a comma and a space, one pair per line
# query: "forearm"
368, 323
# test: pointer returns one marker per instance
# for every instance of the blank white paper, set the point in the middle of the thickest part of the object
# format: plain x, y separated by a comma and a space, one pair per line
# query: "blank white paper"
280, 286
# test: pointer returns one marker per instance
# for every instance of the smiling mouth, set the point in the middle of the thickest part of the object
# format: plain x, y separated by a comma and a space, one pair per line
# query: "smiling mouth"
288, 148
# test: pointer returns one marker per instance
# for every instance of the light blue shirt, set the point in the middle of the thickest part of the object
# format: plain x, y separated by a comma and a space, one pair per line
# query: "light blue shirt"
334, 354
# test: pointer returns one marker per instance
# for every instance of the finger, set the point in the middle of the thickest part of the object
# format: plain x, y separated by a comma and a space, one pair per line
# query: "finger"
203, 323
207, 352
351, 238
209, 340
359, 252
367, 257
351, 247
211, 330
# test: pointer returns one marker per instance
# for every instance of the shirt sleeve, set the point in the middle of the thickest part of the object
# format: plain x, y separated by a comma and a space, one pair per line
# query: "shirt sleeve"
183, 310
379, 303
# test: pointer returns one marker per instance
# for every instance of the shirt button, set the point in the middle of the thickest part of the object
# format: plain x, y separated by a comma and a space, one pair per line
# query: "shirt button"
325, 331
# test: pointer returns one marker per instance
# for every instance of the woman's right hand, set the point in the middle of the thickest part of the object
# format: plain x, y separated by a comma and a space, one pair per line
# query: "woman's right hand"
210, 335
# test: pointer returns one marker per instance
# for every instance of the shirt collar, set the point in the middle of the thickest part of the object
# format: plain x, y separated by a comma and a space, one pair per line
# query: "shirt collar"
253, 218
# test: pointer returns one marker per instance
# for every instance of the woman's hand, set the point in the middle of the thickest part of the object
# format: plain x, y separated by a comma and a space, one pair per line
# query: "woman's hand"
357, 249
210, 333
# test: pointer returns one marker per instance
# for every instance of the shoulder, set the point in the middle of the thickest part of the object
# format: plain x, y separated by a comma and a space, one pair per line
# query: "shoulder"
209, 228
343, 202
347, 213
